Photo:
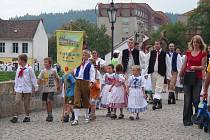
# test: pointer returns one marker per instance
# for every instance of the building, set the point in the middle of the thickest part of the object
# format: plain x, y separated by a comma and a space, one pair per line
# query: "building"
183, 18
23, 37
128, 15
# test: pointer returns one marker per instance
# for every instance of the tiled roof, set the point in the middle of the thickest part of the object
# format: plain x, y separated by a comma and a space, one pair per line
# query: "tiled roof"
18, 29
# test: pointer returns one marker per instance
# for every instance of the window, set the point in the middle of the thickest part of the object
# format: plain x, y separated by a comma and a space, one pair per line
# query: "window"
125, 21
125, 30
24, 47
2, 47
15, 47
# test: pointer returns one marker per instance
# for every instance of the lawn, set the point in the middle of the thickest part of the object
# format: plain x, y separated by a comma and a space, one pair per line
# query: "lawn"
6, 76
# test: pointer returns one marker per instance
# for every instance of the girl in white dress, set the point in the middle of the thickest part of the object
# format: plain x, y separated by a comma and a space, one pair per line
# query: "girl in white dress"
117, 97
107, 81
136, 94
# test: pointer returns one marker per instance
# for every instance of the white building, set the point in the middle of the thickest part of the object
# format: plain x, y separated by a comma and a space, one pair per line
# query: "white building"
23, 37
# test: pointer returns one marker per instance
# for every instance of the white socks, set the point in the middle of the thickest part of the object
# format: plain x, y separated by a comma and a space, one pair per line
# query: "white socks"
76, 114
86, 113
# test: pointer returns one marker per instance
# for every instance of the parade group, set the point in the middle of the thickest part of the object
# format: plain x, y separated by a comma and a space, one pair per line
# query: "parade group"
132, 80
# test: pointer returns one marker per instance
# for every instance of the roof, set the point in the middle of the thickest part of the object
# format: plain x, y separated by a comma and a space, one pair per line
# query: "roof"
18, 29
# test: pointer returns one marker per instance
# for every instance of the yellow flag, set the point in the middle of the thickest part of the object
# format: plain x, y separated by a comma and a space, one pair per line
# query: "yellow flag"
69, 49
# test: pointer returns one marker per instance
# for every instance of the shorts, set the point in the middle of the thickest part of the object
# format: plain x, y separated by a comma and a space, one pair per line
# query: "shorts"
69, 100
48, 96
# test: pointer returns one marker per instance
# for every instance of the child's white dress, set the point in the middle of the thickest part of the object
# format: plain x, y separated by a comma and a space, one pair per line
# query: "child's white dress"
107, 81
116, 98
136, 100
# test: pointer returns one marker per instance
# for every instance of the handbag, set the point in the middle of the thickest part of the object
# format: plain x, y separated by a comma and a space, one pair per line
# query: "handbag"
190, 78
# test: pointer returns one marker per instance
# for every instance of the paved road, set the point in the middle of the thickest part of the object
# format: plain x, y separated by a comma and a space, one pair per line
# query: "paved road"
165, 124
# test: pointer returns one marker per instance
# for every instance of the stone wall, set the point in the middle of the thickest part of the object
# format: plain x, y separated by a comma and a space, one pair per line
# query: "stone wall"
7, 100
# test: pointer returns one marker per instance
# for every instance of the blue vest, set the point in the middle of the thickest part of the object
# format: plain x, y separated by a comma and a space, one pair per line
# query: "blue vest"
86, 75
174, 62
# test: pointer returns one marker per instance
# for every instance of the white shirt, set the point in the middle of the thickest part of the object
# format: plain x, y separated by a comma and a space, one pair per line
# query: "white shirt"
27, 82
81, 72
168, 72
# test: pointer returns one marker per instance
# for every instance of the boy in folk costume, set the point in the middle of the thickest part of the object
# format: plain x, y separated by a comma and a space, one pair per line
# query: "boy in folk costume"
50, 81
25, 84
85, 78
175, 67
94, 92
68, 81
158, 67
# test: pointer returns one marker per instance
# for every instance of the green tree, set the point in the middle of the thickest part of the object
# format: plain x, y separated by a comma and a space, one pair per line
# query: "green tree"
199, 20
174, 32
97, 38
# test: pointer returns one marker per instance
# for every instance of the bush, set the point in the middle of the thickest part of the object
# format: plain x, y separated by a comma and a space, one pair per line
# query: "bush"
7, 76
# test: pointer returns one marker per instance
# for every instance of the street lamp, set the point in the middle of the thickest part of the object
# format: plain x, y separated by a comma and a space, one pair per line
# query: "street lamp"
112, 11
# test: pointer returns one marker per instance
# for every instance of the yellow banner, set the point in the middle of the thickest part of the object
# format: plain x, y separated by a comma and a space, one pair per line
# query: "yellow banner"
69, 49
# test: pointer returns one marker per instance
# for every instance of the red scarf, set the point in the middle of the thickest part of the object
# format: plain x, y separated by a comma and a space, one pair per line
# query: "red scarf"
20, 74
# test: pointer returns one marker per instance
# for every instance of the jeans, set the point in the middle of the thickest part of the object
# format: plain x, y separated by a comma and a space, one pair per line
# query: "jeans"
191, 96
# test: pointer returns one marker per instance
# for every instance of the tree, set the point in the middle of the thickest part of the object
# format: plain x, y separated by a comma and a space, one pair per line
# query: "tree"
97, 38
199, 20
174, 33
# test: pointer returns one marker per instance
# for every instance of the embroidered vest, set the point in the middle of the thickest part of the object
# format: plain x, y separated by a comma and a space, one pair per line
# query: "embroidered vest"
86, 75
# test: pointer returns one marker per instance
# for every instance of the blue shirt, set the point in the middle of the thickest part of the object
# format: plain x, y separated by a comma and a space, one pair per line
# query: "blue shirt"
70, 83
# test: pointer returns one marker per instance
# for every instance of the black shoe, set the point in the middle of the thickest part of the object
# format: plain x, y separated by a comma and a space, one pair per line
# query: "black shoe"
121, 116
159, 106
206, 129
188, 123
14, 120
66, 118
169, 97
49, 119
113, 116
108, 114
155, 101
26, 119
173, 99
131, 118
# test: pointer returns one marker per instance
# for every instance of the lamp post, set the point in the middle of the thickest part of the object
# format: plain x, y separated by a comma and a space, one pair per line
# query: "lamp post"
112, 11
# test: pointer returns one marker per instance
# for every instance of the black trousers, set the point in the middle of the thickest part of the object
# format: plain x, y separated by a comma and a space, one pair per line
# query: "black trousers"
191, 97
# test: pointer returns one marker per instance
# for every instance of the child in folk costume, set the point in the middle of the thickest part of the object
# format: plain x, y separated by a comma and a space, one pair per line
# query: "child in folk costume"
68, 81
116, 98
25, 84
85, 78
136, 98
107, 81
50, 81
94, 93
148, 87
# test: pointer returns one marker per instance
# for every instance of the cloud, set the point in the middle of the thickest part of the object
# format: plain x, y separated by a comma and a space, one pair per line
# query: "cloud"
12, 8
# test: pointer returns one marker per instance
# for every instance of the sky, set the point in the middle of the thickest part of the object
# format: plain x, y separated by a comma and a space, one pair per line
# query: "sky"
12, 8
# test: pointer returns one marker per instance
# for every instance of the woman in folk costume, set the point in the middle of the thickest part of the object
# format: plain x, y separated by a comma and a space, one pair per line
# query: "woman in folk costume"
85, 78
136, 98
158, 67
107, 81
175, 66
116, 98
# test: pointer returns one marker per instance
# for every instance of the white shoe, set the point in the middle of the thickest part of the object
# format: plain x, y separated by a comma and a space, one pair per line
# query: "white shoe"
75, 122
87, 120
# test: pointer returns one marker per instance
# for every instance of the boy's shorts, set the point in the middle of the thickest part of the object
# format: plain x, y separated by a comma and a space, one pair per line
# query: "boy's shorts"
48, 96
69, 100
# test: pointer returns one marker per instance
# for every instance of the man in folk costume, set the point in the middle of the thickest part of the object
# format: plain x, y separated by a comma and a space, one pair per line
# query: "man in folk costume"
175, 67
85, 77
130, 57
157, 66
